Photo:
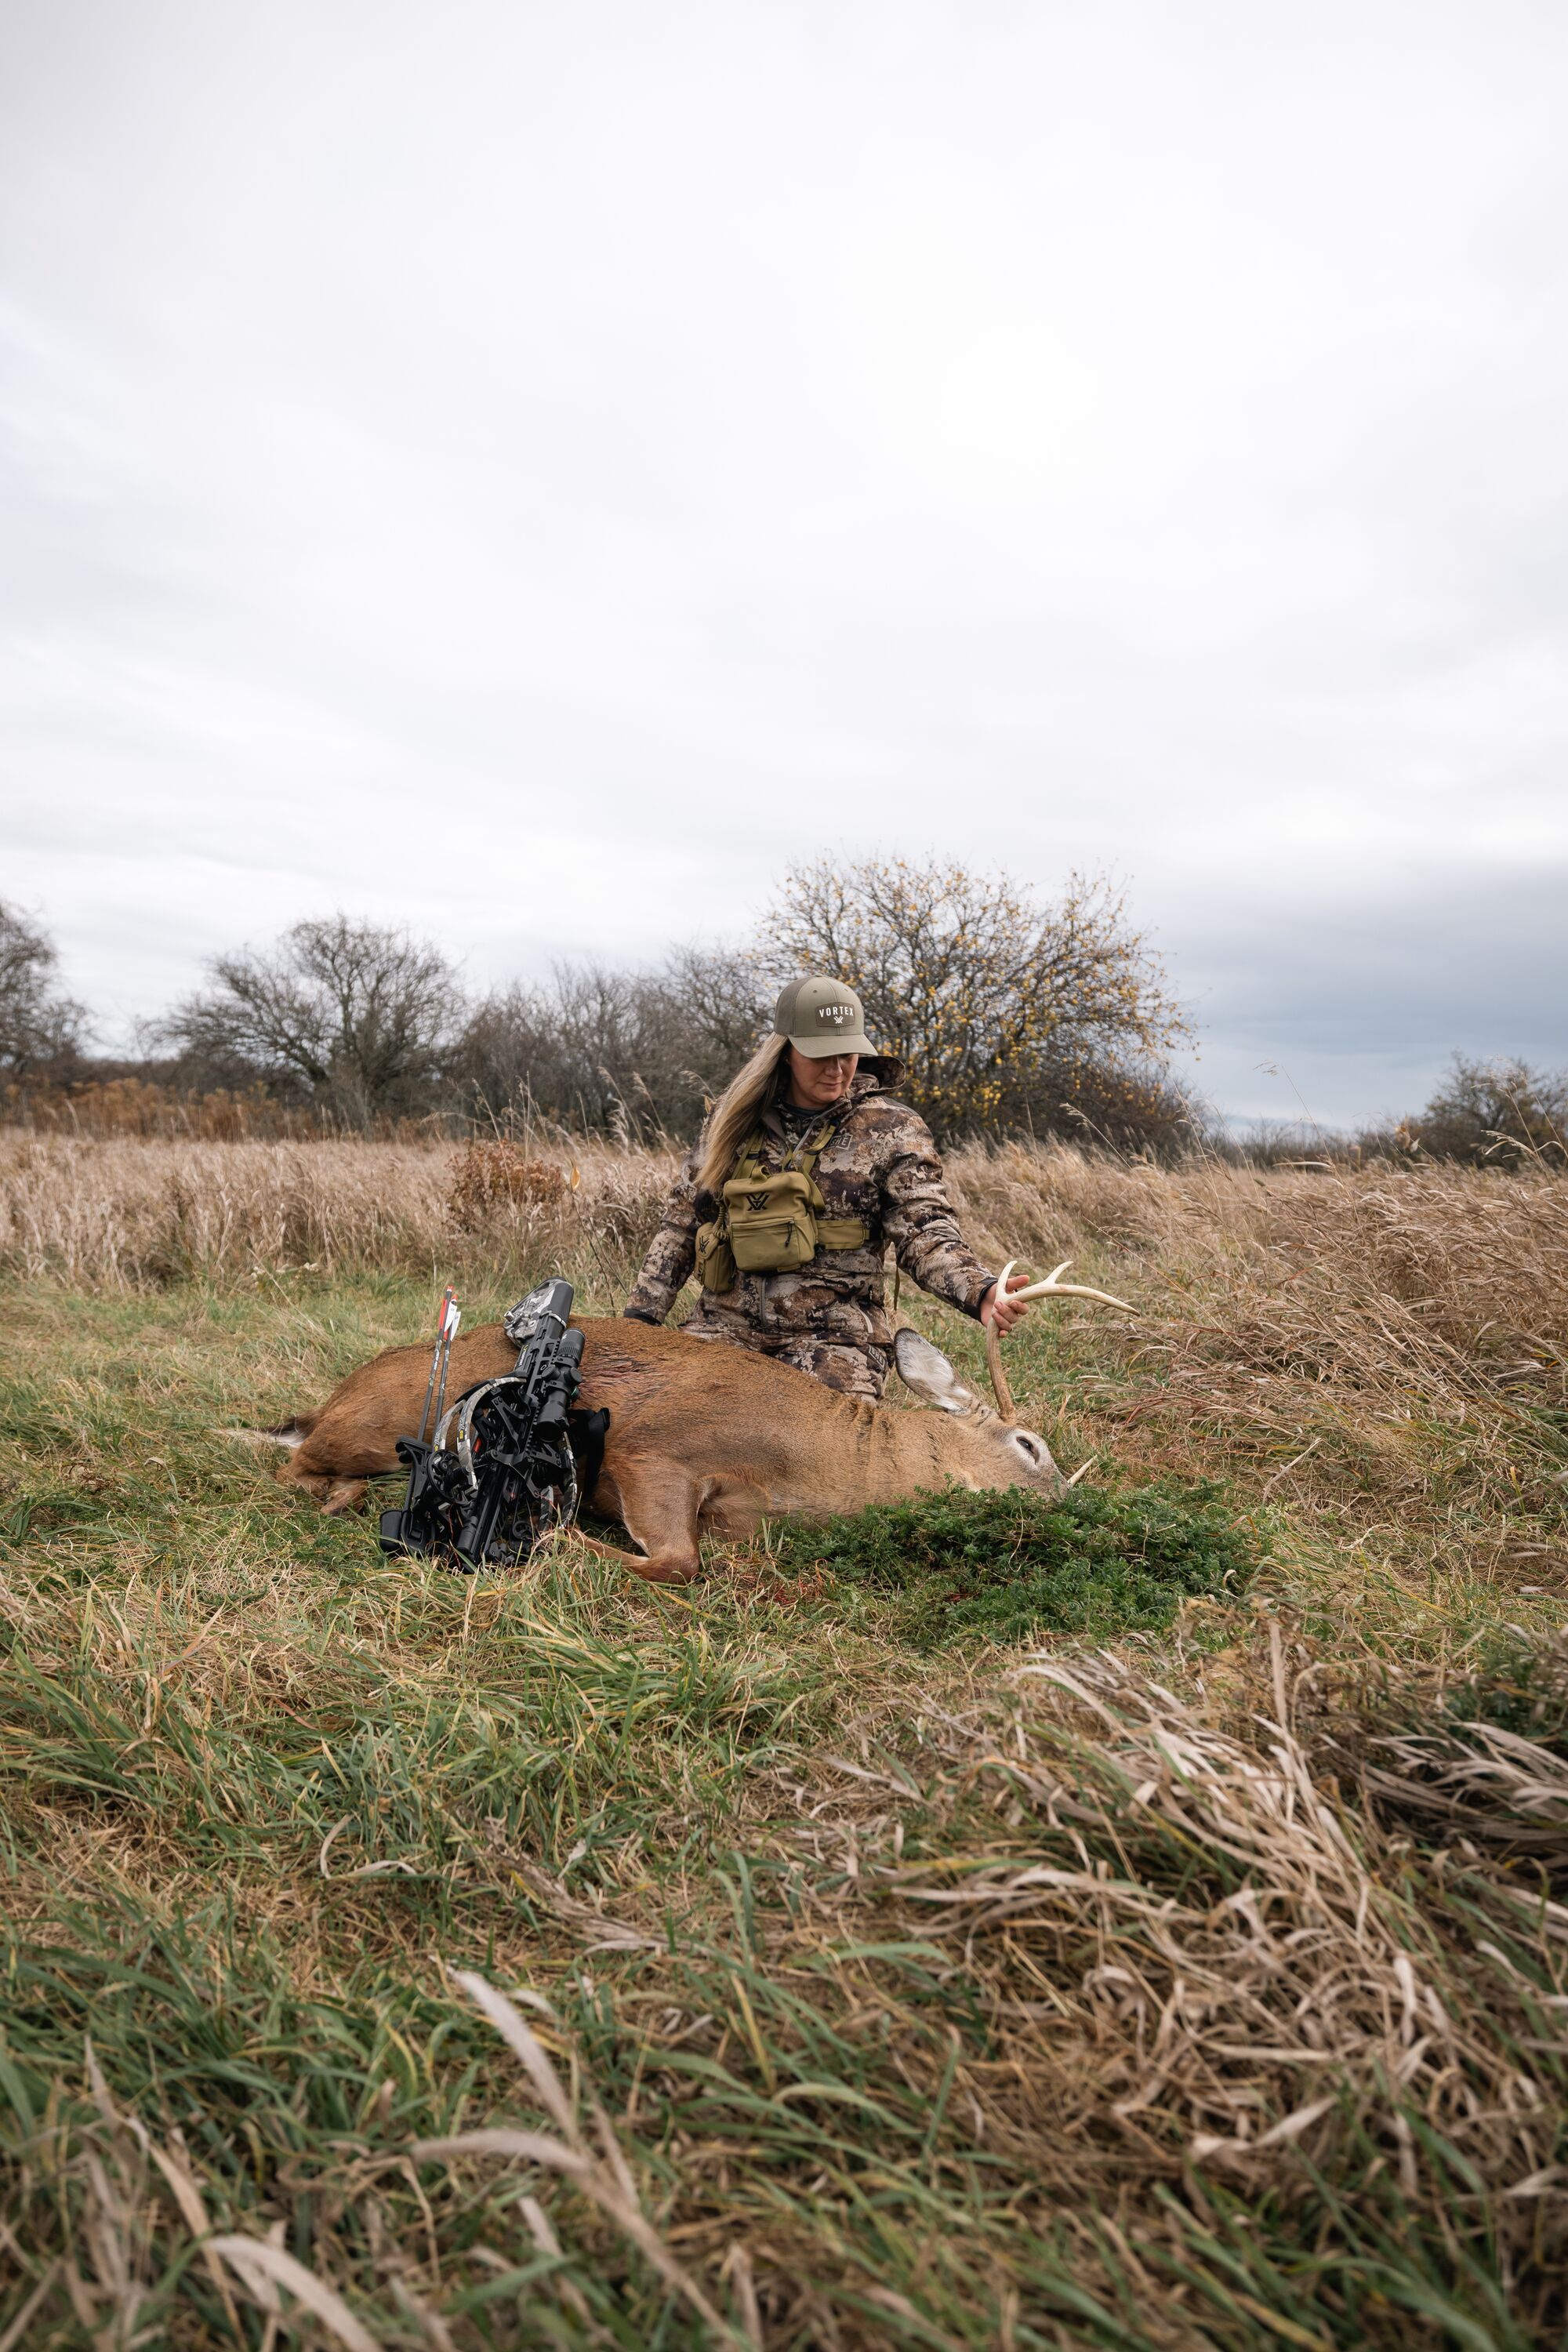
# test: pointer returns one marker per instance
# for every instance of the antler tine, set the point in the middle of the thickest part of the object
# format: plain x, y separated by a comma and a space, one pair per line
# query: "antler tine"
1054, 1288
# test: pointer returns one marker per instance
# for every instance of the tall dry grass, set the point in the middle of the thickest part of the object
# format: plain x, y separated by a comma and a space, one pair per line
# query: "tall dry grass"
1377, 1345
132, 1213
112, 1108
1444, 1258
1382, 1352
1362, 1265
1443, 1288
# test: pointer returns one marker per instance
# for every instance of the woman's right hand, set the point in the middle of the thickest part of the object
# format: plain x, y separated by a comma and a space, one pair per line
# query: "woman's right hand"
1005, 1312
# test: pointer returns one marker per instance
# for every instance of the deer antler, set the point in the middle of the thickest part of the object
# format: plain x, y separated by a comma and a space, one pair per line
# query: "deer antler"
1004, 1405
1052, 1288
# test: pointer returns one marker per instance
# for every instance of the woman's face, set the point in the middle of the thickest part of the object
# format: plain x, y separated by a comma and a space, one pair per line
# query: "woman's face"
815, 1084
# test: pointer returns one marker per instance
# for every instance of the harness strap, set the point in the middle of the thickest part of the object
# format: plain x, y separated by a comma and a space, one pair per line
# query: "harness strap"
804, 1155
832, 1233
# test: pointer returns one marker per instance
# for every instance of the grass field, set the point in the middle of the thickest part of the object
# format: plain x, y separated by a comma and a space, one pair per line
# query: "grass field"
398, 1959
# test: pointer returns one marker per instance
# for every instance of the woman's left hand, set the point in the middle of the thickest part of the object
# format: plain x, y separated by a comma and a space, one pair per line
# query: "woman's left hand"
1005, 1312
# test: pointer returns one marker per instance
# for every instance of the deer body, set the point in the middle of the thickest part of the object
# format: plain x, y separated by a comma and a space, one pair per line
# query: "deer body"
703, 1439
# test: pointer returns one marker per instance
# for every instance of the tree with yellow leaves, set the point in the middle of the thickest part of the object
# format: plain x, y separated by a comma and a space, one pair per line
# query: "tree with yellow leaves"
1006, 1013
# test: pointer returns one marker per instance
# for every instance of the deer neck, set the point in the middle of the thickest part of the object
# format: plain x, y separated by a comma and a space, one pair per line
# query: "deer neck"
892, 1454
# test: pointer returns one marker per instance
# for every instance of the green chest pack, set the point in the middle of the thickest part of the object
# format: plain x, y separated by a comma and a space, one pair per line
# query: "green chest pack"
773, 1224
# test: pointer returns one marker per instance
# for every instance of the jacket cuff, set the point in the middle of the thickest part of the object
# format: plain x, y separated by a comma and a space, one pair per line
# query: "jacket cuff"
976, 1300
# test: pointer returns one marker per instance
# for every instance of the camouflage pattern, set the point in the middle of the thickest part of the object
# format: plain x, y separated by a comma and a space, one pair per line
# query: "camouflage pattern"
828, 1319
855, 1369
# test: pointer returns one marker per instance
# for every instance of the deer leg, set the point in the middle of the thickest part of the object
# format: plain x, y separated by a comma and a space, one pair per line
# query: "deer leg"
345, 1495
335, 1494
315, 1483
658, 1509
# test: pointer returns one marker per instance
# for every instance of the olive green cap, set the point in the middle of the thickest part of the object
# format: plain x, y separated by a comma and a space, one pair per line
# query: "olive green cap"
821, 1017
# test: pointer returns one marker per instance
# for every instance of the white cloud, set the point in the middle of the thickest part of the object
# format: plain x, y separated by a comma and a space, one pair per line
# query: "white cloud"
535, 471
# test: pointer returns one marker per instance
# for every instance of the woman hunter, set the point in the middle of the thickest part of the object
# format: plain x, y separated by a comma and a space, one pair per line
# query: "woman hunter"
808, 1170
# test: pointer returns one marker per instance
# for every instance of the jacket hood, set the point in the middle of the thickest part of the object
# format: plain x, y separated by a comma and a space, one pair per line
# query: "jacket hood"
878, 1073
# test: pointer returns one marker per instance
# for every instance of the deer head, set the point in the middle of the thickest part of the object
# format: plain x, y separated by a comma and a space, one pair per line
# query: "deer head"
980, 1447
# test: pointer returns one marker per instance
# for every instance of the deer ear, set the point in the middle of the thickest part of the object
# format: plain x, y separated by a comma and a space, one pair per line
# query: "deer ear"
927, 1370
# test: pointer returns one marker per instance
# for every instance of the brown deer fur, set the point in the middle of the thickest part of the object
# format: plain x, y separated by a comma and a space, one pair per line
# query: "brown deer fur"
703, 1439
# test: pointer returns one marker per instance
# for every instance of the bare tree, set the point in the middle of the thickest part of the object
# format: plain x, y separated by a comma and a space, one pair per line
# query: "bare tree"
346, 1014
1006, 1012
1498, 1112
718, 1003
637, 1053
40, 1024
566, 1048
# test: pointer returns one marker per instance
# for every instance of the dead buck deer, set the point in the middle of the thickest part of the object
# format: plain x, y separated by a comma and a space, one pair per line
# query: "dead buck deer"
703, 1439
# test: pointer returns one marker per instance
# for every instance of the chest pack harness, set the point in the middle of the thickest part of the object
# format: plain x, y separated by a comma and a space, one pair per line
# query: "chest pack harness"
774, 1223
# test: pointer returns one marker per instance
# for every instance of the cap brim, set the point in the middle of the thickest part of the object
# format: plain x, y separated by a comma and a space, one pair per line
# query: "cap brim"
817, 1049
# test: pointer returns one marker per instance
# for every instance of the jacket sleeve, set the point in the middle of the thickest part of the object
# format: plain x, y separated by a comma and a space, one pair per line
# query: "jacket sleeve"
671, 1254
918, 1218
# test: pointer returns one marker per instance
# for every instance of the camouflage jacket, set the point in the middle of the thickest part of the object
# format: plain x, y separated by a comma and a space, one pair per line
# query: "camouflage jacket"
880, 1164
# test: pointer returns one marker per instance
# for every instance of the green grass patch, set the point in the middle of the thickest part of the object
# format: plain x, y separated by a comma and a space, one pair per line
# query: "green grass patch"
953, 1565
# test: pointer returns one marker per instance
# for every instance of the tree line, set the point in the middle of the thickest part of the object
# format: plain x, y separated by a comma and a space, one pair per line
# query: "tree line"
1010, 1015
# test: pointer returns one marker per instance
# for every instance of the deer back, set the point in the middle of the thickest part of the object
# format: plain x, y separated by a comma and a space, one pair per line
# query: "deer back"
716, 1411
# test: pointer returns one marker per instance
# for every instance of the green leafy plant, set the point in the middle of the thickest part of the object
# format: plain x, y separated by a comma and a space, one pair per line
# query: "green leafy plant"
1004, 1566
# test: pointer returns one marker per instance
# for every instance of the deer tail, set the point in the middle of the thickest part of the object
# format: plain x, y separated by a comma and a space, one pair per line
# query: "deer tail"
290, 1434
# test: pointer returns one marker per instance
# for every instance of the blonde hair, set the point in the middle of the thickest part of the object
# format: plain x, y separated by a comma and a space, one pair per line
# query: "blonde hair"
734, 1117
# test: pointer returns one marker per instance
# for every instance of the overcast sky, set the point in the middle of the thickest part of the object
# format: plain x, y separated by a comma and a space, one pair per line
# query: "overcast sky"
534, 470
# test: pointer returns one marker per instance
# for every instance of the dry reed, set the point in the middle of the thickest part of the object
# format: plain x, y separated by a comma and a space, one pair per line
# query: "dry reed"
1431, 1261
1375, 1344
131, 1214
